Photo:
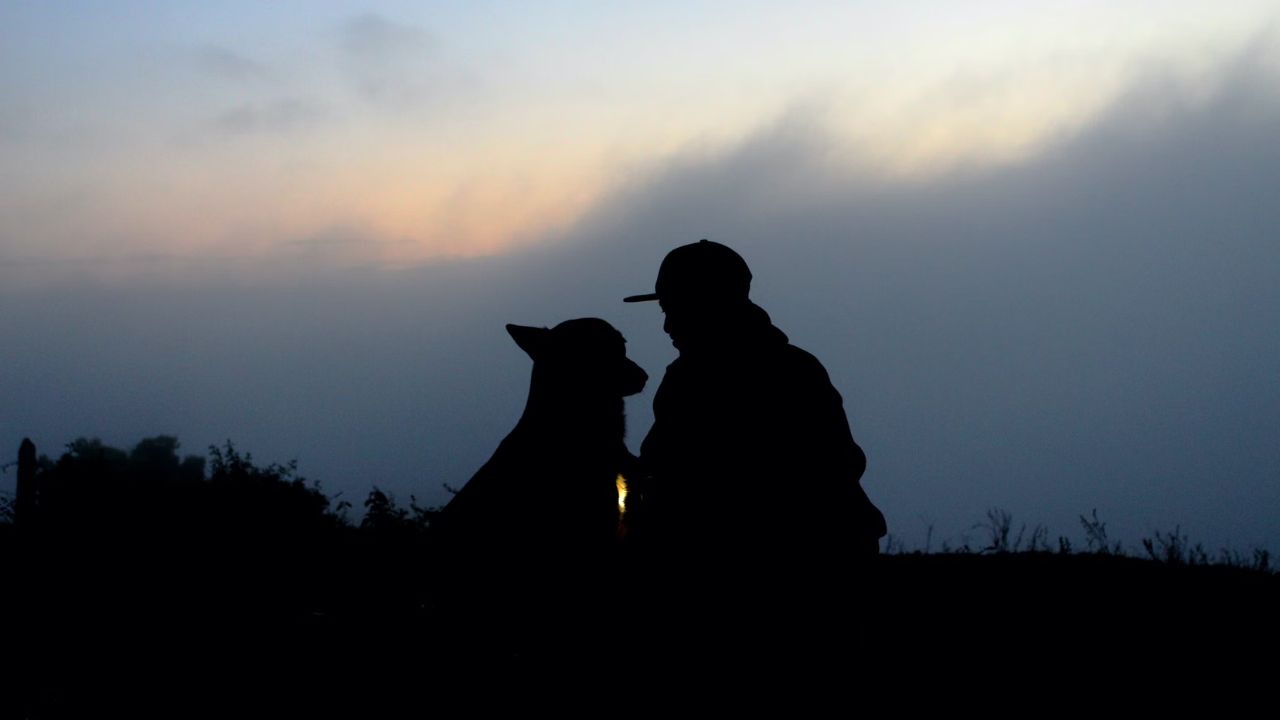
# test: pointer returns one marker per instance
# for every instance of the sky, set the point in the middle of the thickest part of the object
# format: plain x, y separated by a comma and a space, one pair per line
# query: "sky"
1033, 243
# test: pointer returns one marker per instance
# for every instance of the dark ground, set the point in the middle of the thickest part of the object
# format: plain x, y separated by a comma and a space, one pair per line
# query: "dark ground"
358, 629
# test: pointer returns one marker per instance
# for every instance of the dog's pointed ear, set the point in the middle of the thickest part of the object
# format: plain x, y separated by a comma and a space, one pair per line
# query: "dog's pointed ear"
530, 339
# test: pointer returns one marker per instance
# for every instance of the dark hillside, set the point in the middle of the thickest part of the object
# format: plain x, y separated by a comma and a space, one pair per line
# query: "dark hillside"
143, 585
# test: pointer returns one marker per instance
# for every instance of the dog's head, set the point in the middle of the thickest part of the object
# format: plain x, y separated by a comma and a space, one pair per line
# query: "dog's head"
583, 357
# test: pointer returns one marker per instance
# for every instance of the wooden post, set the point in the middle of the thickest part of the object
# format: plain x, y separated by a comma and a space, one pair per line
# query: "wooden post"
26, 499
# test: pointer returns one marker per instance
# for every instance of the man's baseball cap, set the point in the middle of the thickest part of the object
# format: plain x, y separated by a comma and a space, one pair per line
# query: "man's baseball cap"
701, 270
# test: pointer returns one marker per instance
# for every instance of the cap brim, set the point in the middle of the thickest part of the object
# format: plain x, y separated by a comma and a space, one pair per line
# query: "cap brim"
641, 298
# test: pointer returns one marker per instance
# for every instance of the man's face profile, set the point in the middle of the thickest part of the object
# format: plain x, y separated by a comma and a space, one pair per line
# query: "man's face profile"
679, 321
671, 324
691, 322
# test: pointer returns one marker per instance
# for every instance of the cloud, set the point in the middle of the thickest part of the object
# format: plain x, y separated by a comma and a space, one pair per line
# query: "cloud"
281, 115
389, 63
348, 246
225, 63
373, 36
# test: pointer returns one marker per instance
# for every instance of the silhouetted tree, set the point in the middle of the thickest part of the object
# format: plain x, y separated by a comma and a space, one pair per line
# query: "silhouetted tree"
381, 513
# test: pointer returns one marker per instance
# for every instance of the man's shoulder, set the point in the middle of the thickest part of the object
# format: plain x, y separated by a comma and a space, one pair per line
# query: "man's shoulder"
801, 361
799, 355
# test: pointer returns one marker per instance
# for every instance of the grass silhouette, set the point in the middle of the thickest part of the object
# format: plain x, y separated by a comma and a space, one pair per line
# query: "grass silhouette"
231, 581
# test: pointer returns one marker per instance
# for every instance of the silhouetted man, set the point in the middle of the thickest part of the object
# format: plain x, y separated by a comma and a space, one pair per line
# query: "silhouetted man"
750, 457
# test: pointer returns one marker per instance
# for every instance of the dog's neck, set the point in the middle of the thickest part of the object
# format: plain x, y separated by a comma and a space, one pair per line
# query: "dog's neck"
562, 410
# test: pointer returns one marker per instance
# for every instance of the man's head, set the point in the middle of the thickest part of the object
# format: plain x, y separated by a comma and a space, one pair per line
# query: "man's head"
700, 273
701, 287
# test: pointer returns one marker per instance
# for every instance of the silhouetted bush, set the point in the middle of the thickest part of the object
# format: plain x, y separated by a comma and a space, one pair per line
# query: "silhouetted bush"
383, 516
270, 500
98, 491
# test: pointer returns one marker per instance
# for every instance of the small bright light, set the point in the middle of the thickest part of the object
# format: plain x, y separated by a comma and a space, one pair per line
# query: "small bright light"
622, 494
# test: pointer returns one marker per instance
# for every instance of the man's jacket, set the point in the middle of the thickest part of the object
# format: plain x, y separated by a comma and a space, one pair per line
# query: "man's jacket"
751, 451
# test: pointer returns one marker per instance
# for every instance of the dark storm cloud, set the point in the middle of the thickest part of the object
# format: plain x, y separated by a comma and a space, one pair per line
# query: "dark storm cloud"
1094, 327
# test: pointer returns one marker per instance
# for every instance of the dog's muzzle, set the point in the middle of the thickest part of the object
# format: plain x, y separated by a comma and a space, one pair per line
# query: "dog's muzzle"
633, 379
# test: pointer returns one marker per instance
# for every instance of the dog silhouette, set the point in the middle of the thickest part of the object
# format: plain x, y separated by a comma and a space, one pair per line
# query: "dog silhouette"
536, 522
